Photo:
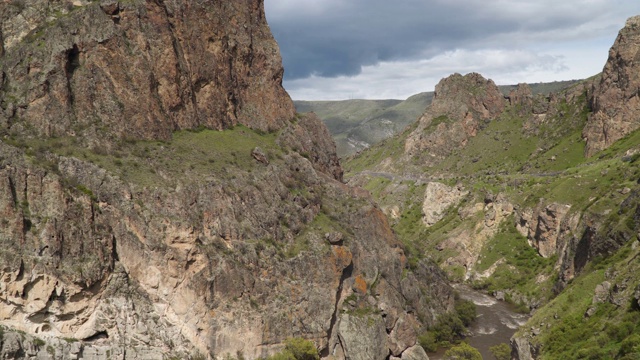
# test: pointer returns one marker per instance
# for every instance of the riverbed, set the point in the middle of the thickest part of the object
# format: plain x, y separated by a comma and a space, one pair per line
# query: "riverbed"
496, 322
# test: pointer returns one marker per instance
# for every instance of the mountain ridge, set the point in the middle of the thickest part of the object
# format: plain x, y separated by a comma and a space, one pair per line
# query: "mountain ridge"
358, 124
518, 203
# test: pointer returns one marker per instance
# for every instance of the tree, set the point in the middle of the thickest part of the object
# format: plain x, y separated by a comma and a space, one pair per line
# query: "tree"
463, 351
501, 351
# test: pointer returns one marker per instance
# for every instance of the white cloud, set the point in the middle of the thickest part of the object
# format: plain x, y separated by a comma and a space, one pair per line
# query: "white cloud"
383, 49
401, 79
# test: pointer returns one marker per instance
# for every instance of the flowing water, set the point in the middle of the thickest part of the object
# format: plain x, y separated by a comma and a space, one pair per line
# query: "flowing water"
497, 321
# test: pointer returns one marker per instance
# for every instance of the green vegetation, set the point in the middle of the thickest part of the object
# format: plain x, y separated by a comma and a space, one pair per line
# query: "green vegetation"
369, 121
372, 121
191, 154
541, 88
519, 265
503, 146
463, 351
391, 148
529, 162
609, 332
297, 349
501, 351
450, 327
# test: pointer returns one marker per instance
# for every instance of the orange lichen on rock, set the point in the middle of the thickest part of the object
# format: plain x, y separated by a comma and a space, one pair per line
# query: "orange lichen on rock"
360, 285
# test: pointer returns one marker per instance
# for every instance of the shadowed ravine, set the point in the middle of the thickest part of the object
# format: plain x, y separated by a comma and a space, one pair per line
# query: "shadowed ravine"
496, 322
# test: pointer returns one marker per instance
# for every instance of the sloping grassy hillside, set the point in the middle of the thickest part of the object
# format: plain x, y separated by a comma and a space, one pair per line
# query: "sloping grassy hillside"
357, 124
513, 170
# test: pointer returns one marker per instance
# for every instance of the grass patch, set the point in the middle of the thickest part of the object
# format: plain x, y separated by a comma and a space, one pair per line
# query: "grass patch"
610, 332
520, 265
189, 154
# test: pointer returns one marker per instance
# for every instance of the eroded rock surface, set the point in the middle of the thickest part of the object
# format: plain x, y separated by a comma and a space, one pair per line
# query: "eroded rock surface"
138, 69
128, 258
545, 226
461, 105
616, 102
439, 197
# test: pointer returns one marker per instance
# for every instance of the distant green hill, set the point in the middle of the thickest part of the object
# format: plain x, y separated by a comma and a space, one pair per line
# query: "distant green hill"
357, 124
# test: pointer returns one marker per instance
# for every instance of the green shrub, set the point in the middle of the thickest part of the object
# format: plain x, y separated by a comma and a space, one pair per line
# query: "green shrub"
38, 342
463, 351
449, 327
630, 346
501, 351
428, 342
297, 349
466, 311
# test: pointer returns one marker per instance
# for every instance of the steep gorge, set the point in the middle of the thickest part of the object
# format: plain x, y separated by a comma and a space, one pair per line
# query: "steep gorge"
532, 199
160, 198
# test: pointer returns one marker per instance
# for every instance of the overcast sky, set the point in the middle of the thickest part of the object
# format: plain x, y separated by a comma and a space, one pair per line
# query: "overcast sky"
382, 49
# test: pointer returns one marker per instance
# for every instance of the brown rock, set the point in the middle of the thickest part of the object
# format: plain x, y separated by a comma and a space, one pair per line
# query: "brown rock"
260, 156
363, 338
544, 227
234, 261
310, 137
461, 105
601, 293
616, 101
522, 97
160, 66
415, 353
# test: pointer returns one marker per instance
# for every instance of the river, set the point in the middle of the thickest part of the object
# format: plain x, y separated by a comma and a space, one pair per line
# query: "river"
496, 322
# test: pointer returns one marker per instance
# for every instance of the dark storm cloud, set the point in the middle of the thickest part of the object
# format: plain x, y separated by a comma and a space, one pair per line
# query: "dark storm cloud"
329, 38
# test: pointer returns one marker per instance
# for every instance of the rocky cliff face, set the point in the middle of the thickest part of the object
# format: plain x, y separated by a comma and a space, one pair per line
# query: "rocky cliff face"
461, 105
615, 101
138, 69
205, 244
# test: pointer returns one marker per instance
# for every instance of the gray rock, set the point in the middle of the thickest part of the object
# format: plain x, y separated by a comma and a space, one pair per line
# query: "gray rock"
415, 353
363, 337
260, 156
403, 335
522, 349
602, 292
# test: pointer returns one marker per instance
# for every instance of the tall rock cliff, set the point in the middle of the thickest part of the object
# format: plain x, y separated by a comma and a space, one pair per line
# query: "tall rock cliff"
616, 98
138, 69
124, 238
461, 105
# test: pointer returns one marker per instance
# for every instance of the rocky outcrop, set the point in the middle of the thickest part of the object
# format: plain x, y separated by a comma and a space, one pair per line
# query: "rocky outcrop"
545, 227
310, 137
136, 69
522, 349
615, 100
363, 337
232, 264
461, 105
438, 198
467, 242
412, 353
125, 256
